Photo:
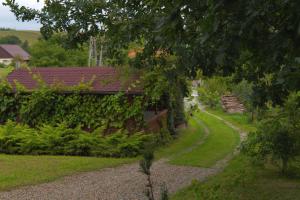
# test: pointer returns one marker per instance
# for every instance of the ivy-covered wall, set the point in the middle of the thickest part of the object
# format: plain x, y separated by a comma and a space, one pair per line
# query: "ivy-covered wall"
52, 106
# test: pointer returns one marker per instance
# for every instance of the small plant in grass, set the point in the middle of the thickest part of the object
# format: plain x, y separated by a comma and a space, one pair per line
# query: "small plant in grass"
145, 167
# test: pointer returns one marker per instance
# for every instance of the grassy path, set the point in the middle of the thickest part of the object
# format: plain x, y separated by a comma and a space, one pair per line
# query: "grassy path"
241, 180
221, 141
187, 138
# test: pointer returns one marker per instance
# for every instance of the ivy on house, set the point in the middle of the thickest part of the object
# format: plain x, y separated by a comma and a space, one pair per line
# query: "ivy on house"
52, 105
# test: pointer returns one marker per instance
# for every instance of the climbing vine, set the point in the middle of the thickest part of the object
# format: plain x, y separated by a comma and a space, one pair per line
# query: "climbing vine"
50, 105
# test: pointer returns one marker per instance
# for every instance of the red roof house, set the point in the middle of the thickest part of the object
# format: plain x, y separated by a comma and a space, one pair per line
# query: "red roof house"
11, 51
102, 80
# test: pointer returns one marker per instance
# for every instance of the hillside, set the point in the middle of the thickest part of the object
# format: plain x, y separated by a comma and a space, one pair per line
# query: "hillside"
30, 36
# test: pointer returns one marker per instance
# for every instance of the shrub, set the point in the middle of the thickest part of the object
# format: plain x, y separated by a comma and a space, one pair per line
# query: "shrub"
211, 90
61, 140
278, 135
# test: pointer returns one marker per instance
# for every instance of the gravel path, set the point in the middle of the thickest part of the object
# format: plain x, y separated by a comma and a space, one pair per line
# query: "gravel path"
120, 183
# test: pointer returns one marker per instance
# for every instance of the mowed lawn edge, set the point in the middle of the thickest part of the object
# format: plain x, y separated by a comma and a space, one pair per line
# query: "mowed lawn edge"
221, 141
23, 170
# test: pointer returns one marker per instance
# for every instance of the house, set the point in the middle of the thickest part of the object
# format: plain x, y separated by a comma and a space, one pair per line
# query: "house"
101, 80
11, 52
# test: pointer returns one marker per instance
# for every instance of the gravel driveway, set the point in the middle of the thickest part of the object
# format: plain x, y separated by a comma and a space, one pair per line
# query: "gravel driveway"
120, 183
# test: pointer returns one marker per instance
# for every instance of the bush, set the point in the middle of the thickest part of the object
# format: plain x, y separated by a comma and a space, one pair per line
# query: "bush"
211, 90
61, 140
278, 135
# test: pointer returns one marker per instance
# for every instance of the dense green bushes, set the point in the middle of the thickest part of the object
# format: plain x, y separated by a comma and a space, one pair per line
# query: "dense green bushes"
212, 89
278, 136
51, 106
61, 140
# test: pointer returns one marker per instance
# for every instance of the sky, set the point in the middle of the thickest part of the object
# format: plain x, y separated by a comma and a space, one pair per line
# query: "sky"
8, 20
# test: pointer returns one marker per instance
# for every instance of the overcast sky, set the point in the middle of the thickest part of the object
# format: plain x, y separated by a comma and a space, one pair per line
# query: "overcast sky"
8, 20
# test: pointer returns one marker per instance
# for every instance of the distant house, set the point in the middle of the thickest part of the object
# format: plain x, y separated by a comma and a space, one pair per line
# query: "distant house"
11, 52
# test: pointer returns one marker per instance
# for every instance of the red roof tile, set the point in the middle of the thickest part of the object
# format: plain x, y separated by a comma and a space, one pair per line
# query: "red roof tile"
12, 51
104, 79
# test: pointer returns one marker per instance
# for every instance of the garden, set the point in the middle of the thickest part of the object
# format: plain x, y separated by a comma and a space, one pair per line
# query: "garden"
247, 50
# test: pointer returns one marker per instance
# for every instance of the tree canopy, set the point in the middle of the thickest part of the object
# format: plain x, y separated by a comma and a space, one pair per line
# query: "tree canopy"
258, 40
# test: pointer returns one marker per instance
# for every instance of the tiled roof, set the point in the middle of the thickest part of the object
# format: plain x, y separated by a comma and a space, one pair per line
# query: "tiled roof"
13, 51
104, 80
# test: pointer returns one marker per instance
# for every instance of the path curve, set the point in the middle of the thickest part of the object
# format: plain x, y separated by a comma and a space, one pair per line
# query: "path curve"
125, 182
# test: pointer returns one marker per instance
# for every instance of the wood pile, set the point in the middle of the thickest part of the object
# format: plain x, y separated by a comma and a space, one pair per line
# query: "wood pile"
232, 104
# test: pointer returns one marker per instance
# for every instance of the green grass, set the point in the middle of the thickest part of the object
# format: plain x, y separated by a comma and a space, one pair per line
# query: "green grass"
30, 36
221, 141
242, 180
186, 138
27, 170
240, 120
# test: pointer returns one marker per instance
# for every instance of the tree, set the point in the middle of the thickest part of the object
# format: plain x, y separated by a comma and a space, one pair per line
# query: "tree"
46, 53
145, 168
278, 135
259, 41
10, 39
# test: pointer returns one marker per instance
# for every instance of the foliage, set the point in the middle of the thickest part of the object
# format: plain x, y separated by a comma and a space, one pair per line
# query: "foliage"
145, 168
244, 91
61, 140
245, 37
52, 52
278, 134
50, 106
164, 84
211, 90
10, 39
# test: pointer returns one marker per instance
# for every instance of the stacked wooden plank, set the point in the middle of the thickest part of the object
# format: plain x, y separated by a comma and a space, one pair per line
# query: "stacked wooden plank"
232, 104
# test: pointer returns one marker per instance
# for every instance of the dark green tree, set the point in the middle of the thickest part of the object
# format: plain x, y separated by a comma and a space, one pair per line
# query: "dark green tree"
52, 53
10, 39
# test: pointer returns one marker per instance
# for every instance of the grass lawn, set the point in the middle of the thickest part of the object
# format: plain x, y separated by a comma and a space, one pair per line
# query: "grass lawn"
221, 141
27, 170
30, 36
240, 120
242, 180
186, 138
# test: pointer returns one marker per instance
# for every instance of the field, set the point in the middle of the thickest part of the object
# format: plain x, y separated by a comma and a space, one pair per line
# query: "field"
30, 36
